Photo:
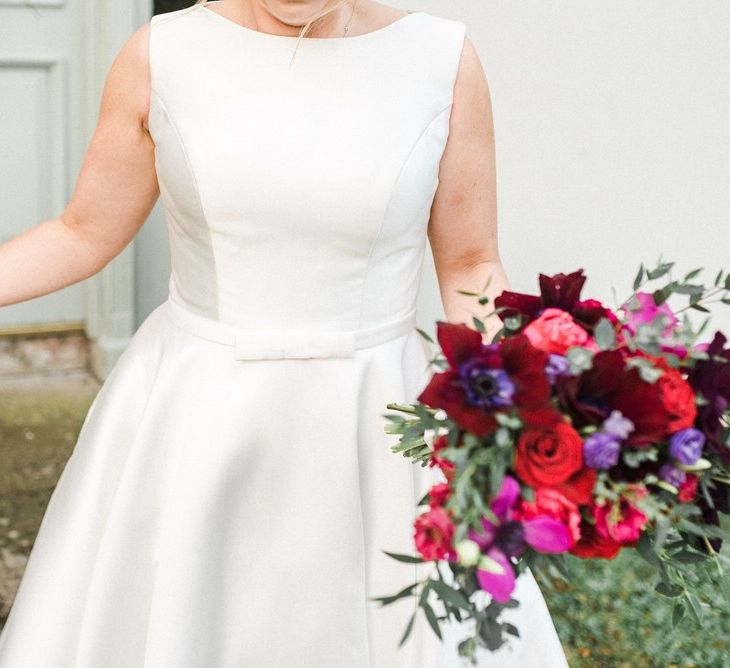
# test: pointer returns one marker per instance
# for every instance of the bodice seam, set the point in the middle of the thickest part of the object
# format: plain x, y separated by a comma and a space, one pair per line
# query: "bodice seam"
191, 171
378, 234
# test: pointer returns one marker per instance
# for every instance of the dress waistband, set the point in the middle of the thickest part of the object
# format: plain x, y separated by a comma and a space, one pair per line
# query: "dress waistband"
288, 344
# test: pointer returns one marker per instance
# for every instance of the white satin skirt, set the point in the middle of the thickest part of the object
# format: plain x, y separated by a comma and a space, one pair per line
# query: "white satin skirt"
222, 512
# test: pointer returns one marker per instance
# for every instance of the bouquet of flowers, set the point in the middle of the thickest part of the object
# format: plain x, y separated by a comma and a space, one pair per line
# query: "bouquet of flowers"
578, 430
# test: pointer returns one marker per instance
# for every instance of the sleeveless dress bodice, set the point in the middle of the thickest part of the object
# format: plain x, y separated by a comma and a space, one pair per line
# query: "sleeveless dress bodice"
298, 186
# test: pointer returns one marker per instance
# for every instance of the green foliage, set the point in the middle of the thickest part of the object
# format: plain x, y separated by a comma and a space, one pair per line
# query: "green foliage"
610, 615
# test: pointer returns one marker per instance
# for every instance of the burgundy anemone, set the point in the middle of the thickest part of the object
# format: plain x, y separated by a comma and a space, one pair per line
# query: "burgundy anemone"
483, 378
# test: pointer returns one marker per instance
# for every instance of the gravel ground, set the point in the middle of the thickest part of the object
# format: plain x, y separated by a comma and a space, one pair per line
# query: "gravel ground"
40, 417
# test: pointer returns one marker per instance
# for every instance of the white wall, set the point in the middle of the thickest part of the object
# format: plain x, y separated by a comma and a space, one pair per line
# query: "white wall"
612, 126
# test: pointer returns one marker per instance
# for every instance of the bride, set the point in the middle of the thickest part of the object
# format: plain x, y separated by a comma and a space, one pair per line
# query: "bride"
232, 490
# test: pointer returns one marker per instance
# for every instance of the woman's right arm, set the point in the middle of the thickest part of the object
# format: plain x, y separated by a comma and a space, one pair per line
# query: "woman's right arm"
115, 191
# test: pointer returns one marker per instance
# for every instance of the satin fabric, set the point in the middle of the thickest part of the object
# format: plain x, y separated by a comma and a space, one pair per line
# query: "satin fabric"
228, 505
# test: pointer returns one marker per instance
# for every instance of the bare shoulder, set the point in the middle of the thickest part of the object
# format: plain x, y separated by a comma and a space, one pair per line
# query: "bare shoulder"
463, 224
127, 86
471, 114
471, 80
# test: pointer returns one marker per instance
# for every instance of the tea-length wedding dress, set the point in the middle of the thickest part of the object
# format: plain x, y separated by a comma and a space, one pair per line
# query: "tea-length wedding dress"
232, 487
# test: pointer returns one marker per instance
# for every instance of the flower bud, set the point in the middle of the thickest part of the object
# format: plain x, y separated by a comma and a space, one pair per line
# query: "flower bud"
467, 552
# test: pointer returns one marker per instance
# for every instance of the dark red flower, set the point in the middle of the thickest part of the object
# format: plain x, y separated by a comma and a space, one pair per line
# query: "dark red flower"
590, 397
562, 290
483, 378
688, 489
593, 545
588, 312
711, 378
558, 291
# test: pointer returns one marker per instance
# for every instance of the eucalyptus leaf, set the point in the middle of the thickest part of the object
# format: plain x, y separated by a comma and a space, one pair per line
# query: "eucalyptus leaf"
406, 558
639, 277
677, 613
432, 620
409, 627
605, 334
450, 595
670, 590
425, 335
660, 271
386, 600
694, 606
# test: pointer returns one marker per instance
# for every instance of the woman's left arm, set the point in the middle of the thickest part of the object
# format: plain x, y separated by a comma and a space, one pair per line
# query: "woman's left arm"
462, 229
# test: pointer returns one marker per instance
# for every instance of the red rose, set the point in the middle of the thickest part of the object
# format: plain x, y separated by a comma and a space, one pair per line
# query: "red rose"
592, 545
547, 456
677, 397
579, 487
688, 489
439, 494
552, 503
434, 532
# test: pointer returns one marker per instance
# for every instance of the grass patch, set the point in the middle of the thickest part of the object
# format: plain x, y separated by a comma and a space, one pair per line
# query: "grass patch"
611, 617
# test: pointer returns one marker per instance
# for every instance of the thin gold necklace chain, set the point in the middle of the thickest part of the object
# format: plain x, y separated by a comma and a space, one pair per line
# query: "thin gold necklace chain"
352, 13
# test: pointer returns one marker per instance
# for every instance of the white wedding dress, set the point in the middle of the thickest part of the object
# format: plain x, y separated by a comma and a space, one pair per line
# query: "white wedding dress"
232, 488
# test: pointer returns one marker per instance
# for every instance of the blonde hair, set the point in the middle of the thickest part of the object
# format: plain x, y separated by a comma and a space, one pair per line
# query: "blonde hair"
307, 26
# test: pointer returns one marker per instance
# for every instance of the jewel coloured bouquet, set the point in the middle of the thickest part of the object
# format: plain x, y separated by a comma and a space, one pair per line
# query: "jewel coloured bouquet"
577, 430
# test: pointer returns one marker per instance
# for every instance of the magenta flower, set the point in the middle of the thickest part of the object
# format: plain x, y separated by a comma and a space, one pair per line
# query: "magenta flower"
647, 312
510, 537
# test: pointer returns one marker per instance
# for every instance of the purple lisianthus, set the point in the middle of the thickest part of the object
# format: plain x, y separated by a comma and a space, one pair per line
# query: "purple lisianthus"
617, 425
686, 445
601, 450
671, 474
557, 365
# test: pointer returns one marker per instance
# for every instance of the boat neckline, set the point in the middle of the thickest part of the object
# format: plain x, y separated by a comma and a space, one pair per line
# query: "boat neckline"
238, 26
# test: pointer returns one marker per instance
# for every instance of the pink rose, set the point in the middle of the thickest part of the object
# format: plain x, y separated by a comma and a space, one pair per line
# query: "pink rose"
622, 521
439, 494
434, 532
552, 503
554, 331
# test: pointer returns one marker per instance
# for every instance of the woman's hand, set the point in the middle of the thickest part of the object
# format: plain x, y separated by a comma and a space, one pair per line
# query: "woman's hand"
116, 189
462, 228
